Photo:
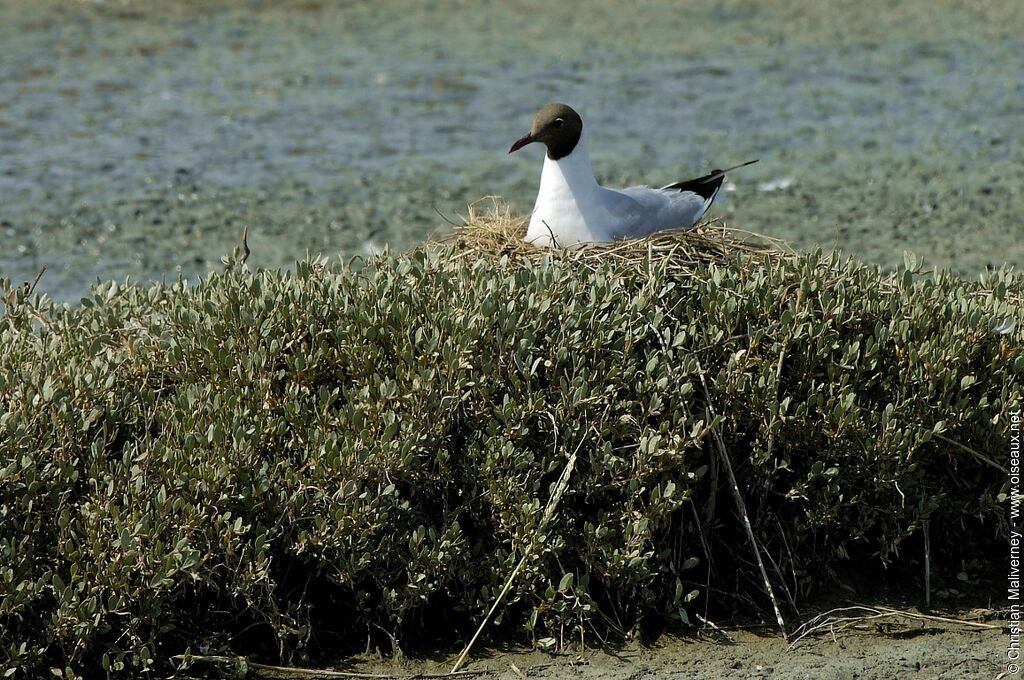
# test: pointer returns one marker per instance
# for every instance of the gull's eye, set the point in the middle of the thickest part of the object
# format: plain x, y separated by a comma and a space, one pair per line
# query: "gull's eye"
558, 122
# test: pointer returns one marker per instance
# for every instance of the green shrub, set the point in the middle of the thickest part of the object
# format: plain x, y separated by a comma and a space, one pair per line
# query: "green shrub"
287, 463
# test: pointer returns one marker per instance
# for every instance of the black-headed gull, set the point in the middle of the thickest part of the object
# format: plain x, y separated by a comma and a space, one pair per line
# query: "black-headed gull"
573, 208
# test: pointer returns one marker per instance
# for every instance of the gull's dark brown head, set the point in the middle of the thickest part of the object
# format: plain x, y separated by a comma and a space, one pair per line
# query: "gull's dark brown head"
557, 127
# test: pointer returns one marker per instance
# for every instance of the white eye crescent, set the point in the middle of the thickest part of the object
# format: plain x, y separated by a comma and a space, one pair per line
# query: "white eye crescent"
558, 122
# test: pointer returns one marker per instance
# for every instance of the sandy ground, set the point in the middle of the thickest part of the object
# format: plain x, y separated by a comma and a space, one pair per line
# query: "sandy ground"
139, 138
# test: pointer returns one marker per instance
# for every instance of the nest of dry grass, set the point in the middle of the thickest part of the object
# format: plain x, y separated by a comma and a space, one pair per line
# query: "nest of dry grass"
490, 229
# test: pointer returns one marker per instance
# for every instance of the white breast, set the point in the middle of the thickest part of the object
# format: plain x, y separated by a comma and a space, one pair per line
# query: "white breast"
567, 211
572, 208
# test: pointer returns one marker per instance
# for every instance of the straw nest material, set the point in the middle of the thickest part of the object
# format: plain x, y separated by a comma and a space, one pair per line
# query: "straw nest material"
490, 229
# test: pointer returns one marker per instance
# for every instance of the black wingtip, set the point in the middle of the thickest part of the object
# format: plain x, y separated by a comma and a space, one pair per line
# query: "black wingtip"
708, 185
705, 187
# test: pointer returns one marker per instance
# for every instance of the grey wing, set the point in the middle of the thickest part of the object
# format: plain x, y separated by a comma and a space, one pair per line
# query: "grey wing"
626, 213
646, 210
686, 207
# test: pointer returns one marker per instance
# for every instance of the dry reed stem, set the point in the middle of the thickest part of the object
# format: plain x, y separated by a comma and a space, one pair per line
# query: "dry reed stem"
742, 509
549, 511
843, 618
266, 670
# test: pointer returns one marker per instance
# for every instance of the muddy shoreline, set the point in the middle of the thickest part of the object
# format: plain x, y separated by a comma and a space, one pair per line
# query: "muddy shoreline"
871, 650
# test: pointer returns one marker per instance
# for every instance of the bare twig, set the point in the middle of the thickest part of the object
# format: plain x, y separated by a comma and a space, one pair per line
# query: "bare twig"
782, 580
939, 619
549, 510
742, 508
239, 254
709, 622
927, 566
35, 281
968, 449
843, 618
448, 219
245, 245
792, 561
287, 672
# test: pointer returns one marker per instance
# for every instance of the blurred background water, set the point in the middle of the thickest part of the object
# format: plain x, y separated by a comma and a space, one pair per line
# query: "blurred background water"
136, 139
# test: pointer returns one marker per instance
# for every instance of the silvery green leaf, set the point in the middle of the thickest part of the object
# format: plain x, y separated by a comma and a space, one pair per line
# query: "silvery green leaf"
1005, 326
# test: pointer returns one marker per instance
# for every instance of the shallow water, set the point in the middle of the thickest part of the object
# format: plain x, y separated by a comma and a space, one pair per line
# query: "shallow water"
138, 140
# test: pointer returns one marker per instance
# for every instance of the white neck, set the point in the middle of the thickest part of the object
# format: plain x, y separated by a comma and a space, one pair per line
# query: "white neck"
572, 172
567, 196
